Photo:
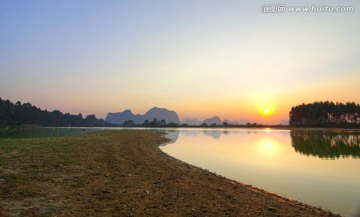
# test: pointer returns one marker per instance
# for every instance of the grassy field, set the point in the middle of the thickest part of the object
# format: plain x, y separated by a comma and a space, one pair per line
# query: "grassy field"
41, 177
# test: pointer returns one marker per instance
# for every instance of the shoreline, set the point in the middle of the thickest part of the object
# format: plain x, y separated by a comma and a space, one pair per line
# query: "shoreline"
260, 126
250, 187
123, 173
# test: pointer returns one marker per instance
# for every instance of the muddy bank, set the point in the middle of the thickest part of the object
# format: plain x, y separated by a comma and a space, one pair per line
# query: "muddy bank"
122, 173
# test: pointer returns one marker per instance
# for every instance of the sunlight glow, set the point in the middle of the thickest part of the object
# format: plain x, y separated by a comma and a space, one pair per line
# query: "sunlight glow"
268, 148
268, 145
265, 106
266, 112
267, 130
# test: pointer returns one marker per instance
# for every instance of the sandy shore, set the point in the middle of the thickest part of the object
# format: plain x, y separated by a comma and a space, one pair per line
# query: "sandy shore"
122, 173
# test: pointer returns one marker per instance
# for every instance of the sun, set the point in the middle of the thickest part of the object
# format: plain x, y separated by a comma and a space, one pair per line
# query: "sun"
265, 107
266, 112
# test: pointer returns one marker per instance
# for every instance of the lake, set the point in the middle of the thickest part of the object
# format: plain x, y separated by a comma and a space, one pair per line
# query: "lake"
318, 167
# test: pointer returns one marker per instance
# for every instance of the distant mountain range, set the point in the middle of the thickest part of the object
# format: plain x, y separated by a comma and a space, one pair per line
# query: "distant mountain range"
162, 114
214, 120
158, 113
209, 121
235, 122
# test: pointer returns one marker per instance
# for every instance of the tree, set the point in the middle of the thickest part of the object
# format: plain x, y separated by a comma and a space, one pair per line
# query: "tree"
129, 123
146, 123
26, 113
325, 114
162, 122
154, 123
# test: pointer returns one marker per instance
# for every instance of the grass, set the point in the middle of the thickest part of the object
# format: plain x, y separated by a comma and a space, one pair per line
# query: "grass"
34, 172
28, 192
28, 165
120, 173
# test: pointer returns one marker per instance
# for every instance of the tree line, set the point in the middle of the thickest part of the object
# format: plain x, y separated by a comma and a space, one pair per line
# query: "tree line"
326, 144
325, 114
27, 114
317, 114
147, 123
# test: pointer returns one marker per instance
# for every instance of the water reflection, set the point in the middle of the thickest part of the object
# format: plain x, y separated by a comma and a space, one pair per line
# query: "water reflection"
215, 134
172, 135
289, 163
326, 144
212, 133
318, 143
268, 145
193, 133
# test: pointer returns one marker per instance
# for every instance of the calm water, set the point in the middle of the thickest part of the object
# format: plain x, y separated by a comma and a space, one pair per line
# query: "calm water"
317, 167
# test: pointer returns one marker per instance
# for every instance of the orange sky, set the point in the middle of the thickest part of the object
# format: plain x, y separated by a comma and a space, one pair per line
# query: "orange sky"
199, 59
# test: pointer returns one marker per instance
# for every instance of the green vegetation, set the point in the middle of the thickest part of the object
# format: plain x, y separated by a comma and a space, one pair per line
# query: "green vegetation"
326, 144
325, 114
41, 132
41, 175
27, 114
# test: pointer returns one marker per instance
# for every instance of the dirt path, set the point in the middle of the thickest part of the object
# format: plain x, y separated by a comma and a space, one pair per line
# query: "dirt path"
122, 173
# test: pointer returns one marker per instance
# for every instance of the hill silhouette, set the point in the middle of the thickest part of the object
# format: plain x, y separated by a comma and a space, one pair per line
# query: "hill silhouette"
155, 113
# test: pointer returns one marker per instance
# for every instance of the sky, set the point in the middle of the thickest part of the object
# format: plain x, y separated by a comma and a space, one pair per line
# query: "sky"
199, 58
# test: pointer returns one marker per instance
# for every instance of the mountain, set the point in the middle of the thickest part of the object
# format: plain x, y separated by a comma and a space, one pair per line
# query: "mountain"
191, 121
235, 122
121, 117
158, 113
214, 120
162, 114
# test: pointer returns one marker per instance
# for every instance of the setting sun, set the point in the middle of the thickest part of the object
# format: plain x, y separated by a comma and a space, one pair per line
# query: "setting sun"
265, 106
266, 112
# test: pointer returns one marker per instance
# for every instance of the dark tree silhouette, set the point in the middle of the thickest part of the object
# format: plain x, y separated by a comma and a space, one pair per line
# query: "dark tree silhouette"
326, 114
27, 114
129, 123
154, 123
162, 122
146, 123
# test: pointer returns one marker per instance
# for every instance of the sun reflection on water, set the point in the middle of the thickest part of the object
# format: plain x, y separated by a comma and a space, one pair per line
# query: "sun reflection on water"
268, 148
268, 145
286, 162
